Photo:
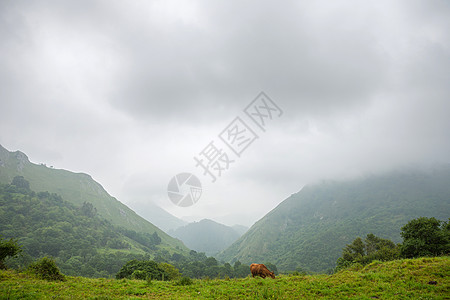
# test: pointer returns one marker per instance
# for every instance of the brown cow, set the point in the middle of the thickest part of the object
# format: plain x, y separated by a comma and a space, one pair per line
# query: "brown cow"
261, 270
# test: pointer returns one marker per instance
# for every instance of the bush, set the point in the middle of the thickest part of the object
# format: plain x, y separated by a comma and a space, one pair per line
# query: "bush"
172, 272
8, 248
142, 269
46, 268
184, 281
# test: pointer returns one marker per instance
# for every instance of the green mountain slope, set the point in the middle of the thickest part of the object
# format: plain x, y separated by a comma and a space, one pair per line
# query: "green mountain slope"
309, 229
44, 224
206, 236
78, 188
241, 229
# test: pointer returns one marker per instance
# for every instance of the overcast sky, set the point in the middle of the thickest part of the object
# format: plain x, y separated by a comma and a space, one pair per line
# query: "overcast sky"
130, 91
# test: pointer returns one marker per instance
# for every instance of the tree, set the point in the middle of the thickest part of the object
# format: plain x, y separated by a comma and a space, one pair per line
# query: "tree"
116, 243
177, 257
272, 267
88, 210
171, 271
354, 251
379, 249
8, 248
211, 261
364, 252
240, 270
371, 243
20, 182
227, 270
46, 268
156, 240
425, 237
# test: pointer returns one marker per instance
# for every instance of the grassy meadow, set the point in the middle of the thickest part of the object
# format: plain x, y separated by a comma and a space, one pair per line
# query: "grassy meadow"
400, 279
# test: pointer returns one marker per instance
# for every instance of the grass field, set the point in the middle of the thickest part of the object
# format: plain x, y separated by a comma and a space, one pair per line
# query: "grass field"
400, 279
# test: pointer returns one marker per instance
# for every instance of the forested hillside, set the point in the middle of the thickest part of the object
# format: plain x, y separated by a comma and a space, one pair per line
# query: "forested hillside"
308, 230
83, 244
78, 188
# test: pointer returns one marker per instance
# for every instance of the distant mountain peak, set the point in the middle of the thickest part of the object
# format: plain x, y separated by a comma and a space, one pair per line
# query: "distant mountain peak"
206, 236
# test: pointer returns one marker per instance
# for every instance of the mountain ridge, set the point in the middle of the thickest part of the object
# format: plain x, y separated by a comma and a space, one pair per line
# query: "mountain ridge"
158, 216
206, 236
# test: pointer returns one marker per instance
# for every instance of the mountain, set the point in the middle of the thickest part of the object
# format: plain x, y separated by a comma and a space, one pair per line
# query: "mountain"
158, 216
241, 229
78, 188
206, 236
45, 224
309, 229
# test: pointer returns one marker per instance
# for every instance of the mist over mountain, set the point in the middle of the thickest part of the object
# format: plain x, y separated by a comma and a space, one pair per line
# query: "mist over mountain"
241, 229
309, 229
207, 236
158, 216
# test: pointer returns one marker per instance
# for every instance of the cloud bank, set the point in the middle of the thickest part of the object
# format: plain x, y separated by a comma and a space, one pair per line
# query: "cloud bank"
130, 92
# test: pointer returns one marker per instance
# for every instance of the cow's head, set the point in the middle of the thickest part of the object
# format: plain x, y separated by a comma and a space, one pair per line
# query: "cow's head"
271, 274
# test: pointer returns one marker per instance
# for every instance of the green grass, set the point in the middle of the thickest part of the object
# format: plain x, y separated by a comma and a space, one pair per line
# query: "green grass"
400, 279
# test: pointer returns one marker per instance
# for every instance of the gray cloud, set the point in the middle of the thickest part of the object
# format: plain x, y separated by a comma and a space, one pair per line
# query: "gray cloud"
236, 51
130, 92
